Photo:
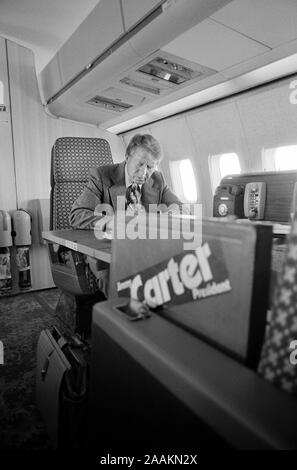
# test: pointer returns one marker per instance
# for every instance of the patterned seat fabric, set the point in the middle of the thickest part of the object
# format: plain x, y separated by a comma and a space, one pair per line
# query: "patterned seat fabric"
72, 159
275, 364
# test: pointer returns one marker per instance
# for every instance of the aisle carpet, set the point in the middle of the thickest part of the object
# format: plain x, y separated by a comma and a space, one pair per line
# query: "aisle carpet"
22, 318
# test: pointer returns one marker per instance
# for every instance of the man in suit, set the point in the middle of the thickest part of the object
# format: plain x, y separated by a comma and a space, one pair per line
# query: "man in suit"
138, 173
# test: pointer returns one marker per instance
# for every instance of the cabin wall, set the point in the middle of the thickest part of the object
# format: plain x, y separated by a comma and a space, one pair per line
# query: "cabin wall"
7, 181
246, 124
26, 142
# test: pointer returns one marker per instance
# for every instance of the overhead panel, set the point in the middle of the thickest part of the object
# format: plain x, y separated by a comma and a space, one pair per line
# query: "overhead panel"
173, 69
116, 99
100, 55
180, 15
113, 67
81, 112
101, 28
95, 35
214, 46
134, 10
272, 22
50, 78
172, 72
152, 86
109, 104
160, 74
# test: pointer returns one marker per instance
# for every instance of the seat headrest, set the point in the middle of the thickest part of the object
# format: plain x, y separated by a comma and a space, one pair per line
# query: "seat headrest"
72, 158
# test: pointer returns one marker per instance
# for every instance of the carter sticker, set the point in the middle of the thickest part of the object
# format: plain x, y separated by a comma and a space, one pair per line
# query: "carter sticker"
191, 275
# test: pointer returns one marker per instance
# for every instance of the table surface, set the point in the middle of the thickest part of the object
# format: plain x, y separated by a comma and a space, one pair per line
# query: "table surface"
83, 241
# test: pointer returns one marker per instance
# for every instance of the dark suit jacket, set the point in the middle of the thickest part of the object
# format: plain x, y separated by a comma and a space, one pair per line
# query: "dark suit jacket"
105, 184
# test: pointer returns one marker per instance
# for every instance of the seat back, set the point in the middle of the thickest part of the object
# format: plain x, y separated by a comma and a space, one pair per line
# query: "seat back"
277, 364
71, 160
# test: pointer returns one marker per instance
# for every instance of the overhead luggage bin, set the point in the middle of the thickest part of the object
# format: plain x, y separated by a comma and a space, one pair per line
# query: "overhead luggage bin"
108, 47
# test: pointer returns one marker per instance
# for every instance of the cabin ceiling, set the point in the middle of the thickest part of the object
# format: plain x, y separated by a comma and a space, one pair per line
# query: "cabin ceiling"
240, 41
270, 22
232, 46
42, 25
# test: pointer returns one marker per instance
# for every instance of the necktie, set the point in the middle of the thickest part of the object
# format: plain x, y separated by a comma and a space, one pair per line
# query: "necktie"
133, 196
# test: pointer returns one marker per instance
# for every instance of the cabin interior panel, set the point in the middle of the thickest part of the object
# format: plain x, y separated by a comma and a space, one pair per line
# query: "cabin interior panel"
26, 143
246, 124
7, 177
215, 130
269, 120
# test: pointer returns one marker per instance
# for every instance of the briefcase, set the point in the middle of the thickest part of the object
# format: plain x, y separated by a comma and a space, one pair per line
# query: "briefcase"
61, 386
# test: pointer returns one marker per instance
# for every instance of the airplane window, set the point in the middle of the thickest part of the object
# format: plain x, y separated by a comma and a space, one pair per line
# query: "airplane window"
280, 158
229, 164
222, 165
286, 158
183, 180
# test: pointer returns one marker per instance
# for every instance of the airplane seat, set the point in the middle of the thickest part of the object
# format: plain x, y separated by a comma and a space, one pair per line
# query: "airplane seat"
278, 357
71, 160
198, 394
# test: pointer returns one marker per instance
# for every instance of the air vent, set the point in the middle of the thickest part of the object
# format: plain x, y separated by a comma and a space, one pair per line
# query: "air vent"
109, 104
173, 72
116, 99
141, 86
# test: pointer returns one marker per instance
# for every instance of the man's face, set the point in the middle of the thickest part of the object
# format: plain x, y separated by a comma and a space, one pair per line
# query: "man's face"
140, 165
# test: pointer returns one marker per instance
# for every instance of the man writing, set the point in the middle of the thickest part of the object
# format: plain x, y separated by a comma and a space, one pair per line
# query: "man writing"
136, 178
